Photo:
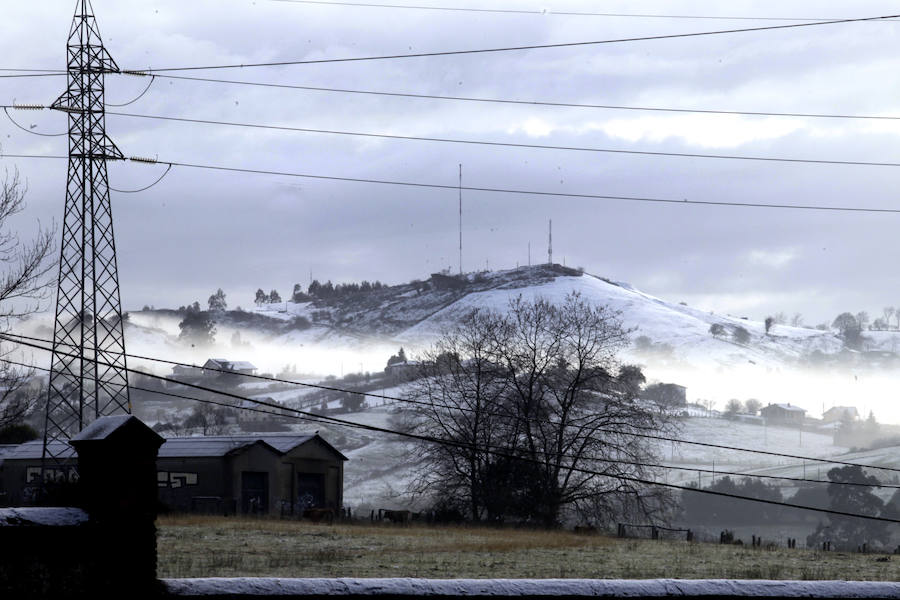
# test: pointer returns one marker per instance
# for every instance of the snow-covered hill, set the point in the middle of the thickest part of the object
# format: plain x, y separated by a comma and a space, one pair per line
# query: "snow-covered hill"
673, 342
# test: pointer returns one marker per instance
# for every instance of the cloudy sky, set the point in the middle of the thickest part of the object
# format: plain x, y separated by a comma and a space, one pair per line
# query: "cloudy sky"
199, 230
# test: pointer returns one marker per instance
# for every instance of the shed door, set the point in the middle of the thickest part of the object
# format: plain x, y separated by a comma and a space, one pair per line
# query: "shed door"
311, 490
254, 492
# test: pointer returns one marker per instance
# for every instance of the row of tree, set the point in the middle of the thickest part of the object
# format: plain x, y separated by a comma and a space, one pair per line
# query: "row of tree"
322, 291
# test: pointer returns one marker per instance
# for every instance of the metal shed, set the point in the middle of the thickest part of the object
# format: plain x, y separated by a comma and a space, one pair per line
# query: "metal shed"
245, 474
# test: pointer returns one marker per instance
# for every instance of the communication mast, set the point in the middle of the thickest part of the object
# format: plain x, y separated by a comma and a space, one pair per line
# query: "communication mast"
460, 219
550, 244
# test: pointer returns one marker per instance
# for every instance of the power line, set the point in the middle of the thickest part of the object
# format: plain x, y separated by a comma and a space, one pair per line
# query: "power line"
545, 12
19, 76
138, 97
511, 144
146, 187
494, 190
280, 413
27, 130
445, 442
531, 102
18, 337
548, 103
513, 48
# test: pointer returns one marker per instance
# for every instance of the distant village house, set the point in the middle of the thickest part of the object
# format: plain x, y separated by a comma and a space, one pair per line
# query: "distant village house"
213, 368
837, 414
783, 414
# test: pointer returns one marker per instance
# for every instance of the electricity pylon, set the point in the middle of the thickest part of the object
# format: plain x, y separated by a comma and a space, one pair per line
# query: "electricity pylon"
88, 374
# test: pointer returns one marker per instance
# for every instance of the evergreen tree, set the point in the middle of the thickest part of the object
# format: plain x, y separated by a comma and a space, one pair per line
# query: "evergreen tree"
217, 301
197, 328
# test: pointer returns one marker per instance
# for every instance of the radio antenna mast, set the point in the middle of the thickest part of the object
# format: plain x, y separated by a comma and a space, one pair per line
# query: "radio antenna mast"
550, 244
460, 219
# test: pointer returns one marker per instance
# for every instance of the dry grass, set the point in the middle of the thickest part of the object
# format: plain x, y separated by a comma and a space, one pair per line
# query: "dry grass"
196, 546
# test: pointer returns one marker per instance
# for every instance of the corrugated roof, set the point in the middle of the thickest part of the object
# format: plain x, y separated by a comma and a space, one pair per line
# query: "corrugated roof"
183, 447
35, 449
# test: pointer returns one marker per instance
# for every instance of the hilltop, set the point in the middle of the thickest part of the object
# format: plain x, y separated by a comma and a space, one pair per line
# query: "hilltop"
716, 356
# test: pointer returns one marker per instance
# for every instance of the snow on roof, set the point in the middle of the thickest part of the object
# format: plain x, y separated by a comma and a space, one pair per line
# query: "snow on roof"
232, 365
35, 449
44, 516
102, 427
218, 445
788, 407
242, 365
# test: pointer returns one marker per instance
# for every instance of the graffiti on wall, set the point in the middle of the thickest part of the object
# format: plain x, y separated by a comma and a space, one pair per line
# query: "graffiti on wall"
173, 480
51, 474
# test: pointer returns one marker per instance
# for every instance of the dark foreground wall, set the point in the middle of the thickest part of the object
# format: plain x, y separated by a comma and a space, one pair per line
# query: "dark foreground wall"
253, 587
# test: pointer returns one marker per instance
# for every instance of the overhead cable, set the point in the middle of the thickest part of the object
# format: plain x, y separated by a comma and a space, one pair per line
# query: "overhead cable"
532, 102
512, 48
547, 12
146, 187
503, 454
138, 97
27, 130
13, 337
494, 190
280, 413
856, 163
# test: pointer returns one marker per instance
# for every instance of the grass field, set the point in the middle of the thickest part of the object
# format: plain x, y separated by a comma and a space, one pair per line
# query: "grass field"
194, 546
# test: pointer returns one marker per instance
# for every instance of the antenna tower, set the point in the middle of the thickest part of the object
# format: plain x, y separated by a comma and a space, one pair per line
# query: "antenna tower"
460, 219
550, 244
88, 373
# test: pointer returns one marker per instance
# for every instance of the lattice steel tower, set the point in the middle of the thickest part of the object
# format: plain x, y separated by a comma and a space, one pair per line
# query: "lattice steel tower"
88, 376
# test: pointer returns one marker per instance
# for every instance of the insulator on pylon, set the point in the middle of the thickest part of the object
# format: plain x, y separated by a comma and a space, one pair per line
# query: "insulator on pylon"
135, 73
28, 106
143, 159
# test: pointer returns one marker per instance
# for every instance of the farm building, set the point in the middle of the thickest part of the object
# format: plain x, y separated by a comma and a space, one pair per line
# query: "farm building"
214, 367
247, 474
782, 414
836, 414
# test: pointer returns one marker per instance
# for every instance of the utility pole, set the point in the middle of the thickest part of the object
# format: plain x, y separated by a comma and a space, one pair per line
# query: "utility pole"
88, 372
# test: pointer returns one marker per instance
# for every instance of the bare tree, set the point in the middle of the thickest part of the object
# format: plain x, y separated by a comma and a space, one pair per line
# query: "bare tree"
462, 394
797, 320
24, 284
888, 312
535, 410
